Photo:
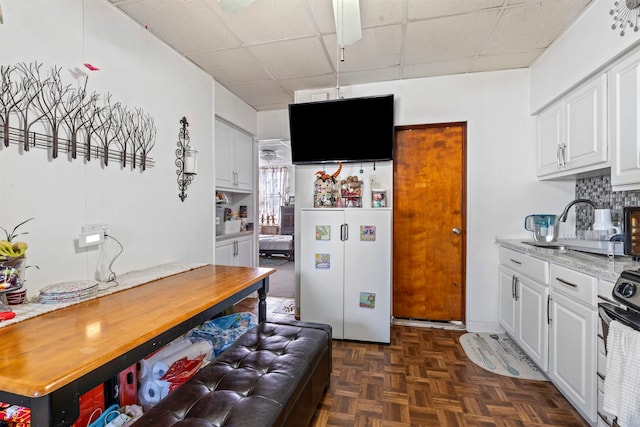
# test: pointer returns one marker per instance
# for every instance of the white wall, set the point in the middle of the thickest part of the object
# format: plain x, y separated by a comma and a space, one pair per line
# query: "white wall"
143, 210
585, 47
501, 184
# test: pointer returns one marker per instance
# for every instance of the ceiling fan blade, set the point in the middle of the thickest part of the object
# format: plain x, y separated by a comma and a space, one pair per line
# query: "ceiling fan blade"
346, 14
234, 6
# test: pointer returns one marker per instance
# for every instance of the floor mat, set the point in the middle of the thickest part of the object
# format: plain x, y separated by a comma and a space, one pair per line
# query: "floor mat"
288, 306
272, 262
498, 353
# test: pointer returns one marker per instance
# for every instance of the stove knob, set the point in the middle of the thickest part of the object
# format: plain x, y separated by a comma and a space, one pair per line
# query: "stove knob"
627, 289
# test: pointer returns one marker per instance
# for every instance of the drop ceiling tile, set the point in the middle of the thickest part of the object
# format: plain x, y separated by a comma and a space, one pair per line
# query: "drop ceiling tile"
269, 20
519, 28
445, 39
231, 66
370, 76
382, 12
421, 9
257, 94
313, 82
188, 26
293, 58
322, 12
458, 66
379, 47
504, 62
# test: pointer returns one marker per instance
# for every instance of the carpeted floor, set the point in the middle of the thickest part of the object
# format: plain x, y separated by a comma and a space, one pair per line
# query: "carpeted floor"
272, 262
282, 282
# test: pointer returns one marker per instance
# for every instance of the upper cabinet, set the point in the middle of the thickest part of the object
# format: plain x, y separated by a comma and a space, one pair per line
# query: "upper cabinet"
234, 158
624, 83
572, 133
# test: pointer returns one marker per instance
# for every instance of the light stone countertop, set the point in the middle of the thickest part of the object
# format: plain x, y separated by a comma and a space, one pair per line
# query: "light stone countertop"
595, 265
221, 237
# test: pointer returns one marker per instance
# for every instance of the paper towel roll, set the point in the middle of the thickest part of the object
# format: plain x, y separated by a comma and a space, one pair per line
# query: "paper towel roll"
146, 365
191, 352
151, 391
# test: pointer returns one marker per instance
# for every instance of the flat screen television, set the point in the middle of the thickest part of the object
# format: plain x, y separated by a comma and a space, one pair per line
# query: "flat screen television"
342, 130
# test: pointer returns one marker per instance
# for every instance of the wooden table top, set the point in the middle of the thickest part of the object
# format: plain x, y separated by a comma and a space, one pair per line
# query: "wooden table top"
42, 354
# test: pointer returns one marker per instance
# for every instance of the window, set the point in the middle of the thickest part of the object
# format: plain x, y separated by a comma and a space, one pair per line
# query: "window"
273, 193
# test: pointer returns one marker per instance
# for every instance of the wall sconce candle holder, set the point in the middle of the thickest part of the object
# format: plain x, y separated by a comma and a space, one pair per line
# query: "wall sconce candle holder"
186, 160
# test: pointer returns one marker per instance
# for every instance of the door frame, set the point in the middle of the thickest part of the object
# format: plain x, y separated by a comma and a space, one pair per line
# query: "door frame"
463, 202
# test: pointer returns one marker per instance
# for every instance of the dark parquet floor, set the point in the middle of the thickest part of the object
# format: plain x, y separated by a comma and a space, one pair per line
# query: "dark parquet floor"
423, 378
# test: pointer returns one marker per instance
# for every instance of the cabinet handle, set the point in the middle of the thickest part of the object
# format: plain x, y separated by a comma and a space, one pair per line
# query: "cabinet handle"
516, 289
558, 154
513, 286
548, 309
515, 261
564, 155
564, 282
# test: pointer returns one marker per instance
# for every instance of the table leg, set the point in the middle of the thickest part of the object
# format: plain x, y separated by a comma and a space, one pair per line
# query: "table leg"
262, 300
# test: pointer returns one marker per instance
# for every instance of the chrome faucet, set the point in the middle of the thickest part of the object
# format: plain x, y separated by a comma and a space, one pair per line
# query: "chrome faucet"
563, 215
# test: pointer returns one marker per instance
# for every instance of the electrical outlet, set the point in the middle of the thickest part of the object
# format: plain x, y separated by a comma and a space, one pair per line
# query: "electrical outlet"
91, 228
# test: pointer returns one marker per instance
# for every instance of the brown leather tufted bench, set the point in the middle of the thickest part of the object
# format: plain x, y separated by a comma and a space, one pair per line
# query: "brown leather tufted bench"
274, 375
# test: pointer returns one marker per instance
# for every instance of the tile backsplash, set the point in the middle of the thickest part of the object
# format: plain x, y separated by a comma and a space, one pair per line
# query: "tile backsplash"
598, 189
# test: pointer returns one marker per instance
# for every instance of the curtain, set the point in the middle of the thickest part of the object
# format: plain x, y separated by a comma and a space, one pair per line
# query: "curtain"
273, 193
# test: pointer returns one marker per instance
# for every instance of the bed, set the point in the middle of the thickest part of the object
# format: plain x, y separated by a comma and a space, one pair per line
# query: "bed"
276, 244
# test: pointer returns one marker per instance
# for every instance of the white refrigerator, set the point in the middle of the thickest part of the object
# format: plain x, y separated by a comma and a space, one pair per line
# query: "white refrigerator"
345, 271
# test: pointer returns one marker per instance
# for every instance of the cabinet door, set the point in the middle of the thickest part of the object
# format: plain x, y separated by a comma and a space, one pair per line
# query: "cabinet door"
243, 160
532, 320
549, 140
507, 307
321, 263
572, 133
572, 353
224, 154
287, 218
225, 253
244, 252
367, 275
624, 132
585, 124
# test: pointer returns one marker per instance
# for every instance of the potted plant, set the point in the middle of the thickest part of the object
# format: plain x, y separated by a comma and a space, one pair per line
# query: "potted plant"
12, 257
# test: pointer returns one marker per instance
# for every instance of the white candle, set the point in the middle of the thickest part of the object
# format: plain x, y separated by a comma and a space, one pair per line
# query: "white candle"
190, 162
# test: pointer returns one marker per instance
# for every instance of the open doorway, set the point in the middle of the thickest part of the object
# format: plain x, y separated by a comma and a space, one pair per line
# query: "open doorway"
276, 213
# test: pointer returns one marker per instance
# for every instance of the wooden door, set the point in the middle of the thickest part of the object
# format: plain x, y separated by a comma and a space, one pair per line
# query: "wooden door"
428, 222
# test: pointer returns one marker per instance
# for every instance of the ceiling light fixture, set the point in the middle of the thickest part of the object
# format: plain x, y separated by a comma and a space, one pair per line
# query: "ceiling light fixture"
268, 155
234, 6
346, 14
625, 12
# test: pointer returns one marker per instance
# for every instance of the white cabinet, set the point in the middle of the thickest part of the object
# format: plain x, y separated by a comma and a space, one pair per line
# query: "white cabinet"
234, 158
572, 133
624, 83
572, 338
237, 251
523, 295
345, 271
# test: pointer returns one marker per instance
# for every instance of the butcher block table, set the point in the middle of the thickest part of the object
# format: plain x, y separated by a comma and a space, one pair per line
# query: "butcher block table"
49, 361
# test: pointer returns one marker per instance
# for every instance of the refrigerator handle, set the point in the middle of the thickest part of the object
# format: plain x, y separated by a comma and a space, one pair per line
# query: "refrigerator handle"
344, 232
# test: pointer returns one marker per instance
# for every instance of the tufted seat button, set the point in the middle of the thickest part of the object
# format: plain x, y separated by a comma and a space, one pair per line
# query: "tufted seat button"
274, 375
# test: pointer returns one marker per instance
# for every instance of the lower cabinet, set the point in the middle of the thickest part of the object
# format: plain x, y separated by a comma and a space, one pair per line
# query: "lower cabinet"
237, 251
523, 314
572, 338
556, 325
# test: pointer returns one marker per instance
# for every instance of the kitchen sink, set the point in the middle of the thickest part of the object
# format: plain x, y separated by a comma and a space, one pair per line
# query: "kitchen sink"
547, 245
600, 247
